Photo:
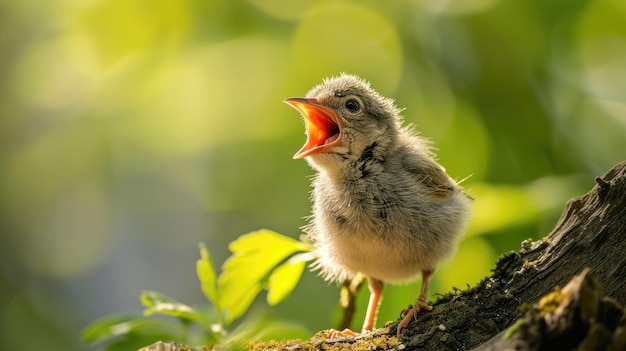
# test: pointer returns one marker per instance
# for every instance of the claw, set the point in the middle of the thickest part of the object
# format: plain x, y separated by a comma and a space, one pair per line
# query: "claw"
412, 314
334, 334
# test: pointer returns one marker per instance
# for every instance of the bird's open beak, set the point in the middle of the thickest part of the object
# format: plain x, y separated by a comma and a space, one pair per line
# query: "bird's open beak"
323, 126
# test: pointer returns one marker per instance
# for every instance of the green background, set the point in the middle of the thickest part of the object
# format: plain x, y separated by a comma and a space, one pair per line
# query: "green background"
131, 130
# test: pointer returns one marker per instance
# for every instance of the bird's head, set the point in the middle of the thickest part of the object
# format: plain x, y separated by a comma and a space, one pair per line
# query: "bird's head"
345, 117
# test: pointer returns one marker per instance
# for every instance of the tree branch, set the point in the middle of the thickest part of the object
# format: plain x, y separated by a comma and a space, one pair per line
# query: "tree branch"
518, 306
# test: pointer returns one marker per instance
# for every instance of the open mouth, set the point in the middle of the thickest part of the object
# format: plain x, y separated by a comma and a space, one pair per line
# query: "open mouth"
323, 127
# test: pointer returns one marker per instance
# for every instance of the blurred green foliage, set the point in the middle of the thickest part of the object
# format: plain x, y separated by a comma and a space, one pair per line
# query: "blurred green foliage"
260, 260
134, 129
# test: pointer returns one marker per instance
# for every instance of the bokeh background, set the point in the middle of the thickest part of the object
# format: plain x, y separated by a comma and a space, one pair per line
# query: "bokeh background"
131, 130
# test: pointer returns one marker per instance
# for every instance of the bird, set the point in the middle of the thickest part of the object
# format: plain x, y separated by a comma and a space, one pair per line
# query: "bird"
382, 207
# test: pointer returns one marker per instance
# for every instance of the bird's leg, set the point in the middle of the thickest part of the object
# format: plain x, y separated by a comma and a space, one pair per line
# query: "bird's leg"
420, 303
376, 288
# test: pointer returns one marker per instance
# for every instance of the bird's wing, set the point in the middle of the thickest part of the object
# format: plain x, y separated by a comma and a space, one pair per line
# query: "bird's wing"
433, 177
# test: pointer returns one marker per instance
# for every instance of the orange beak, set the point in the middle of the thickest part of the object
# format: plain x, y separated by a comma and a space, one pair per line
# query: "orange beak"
323, 126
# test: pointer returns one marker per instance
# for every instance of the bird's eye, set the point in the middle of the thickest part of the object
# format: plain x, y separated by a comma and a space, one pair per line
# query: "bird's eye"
352, 106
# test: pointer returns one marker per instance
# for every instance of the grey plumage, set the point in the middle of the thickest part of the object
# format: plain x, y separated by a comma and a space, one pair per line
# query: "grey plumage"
382, 205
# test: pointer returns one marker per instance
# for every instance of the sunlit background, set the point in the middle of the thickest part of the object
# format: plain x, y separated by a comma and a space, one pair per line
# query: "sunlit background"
131, 130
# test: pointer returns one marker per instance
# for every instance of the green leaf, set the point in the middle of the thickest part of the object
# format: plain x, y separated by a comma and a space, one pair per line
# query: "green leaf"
114, 326
158, 303
284, 279
247, 270
206, 274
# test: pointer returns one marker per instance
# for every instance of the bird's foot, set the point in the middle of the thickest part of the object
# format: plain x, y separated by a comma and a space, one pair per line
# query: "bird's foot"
412, 314
334, 334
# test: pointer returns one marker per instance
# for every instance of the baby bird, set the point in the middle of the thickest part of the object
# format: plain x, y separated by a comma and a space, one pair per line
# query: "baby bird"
382, 205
